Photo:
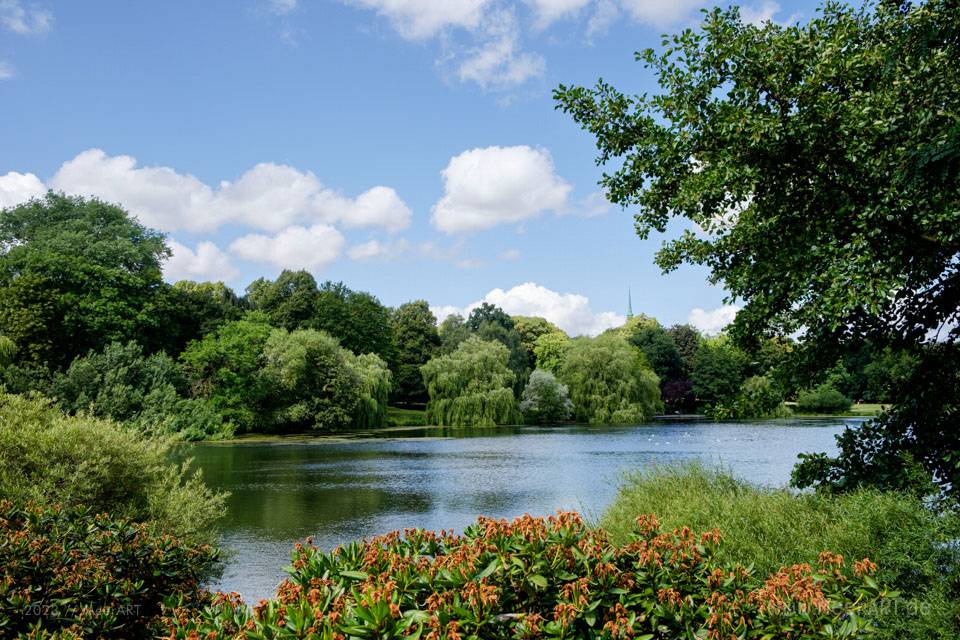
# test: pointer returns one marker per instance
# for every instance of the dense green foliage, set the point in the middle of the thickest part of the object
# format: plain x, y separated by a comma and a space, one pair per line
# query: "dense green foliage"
49, 457
766, 528
758, 398
471, 386
609, 381
823, 399
530, 329
839, 138
545, 400
550, 350
417, 340
70, 572
551, 578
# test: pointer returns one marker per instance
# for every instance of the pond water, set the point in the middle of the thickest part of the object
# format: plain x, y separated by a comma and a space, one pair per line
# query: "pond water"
339, 489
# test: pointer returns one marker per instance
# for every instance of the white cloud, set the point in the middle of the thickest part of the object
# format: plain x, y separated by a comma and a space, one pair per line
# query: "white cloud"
376, 249
268, 196
498, 185
498, 62
759, 14
296, 247
509, 254
17, 188
25, 21
660, 13
282, 7
208, 262
713, 321
6, 70
549, 11
418, 19
569, 311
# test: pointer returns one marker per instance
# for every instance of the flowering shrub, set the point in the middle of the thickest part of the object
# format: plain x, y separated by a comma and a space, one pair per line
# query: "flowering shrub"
531, 578
70, 573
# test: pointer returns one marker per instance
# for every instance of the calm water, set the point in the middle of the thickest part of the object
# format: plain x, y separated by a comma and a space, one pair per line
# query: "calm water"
338, 489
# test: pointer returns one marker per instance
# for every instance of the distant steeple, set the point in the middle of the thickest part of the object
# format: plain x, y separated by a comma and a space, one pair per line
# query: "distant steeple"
629, 304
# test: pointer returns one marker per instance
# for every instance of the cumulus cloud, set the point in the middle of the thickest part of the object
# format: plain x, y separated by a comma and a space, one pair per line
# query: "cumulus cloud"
374, 249
17, 188
569, 311
487, 187
713, 321
418, 19
268, 196
312, 248
24, 20
207, 262
498, 60
549, 11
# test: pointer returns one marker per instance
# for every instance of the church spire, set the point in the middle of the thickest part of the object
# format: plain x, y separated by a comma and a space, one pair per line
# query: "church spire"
629, 304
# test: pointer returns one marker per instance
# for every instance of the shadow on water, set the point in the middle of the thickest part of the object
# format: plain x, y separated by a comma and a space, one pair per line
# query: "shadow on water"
342, 488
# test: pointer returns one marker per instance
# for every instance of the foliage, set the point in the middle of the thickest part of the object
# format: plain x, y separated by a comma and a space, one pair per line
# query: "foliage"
718, 371
75, 275
49, 457
8, 351
375, 384
397, 417
609, 382
68, 571
550, 351
823, 399
758, 398
687, 340
356, 318
471, 386
552, 578
766, 528
492, 331
530, 329
225, 367
888, 373
187, 311
417, 340
660, 351
289, 302
863, 101
453, 330
545, 400
145, 392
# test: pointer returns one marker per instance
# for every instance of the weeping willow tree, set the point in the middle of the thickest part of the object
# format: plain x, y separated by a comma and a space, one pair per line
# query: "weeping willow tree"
609, 381
472, 386
375, 385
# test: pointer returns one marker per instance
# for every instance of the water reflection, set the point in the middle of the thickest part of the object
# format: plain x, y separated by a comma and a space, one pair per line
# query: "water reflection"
339, 489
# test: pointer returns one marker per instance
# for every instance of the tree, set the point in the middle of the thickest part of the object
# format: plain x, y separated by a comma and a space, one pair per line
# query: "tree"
187, 311
530, 328
609, 382
356, 318
417, 340
375, 384
75, 275
660, 351
551, 350
545, 400
471, 386
687, 340
289, 301
718, 371
453, 331
821, 162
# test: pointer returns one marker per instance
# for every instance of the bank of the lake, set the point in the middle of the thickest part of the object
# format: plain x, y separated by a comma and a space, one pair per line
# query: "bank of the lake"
340, 488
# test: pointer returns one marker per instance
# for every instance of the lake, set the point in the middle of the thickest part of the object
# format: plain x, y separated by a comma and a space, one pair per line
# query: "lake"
338, 489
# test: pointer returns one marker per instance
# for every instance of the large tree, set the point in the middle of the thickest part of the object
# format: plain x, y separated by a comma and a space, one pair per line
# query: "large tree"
821, 165
417, 340
75, 275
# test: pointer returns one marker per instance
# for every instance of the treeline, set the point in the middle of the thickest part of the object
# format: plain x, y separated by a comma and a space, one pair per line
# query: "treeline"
86, 319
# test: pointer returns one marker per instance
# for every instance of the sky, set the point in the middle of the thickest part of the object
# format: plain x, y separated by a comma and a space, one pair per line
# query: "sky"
409, 148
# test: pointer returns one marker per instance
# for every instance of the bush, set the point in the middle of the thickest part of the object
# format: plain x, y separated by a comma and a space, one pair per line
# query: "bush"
67, 571
768, 528
758, 398
544, 399
609, 381
472, 386
823, 399
50, 457
543, 578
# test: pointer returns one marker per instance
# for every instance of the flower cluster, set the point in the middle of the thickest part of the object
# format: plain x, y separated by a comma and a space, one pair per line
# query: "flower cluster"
540, 578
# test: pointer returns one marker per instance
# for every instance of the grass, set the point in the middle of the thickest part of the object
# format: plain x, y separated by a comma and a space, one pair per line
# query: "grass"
770, 528
398, 417
868, 409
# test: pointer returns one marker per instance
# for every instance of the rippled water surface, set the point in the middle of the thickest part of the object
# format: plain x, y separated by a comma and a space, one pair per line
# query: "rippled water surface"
340, 489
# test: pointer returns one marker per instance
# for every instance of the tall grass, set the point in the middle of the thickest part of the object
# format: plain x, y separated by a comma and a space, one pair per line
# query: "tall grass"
768, 528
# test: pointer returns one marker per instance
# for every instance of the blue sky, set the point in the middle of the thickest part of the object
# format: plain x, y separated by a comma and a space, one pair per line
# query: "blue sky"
407, 147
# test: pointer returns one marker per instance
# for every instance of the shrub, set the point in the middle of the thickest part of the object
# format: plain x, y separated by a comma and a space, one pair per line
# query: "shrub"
609, 382
823, 399
543, 578
70, 572
544, 399
767, 528
758, 398
471, 386
49, 457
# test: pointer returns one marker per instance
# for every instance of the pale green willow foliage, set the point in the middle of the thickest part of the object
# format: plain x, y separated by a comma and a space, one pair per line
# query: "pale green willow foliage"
609, 381
375, 385
550, 350
471, 386
545, 399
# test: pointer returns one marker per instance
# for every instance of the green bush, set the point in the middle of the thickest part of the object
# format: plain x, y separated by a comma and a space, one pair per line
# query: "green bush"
768, 528
69, 572
471, 386
758, 398
49, 457
823, 399
544, 399
609, 381
543, 578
